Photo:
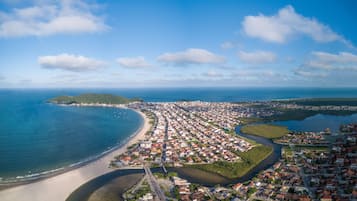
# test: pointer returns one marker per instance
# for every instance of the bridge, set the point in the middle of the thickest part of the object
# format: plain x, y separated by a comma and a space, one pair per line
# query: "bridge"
155, 188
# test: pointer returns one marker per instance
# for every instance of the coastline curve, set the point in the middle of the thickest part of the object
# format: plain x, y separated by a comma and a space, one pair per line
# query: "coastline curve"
58, 186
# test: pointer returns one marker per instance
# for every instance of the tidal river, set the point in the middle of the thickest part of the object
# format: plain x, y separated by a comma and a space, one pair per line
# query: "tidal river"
211, 179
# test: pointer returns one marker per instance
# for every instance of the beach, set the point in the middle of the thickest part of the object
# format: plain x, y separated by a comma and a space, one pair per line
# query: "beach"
59, 187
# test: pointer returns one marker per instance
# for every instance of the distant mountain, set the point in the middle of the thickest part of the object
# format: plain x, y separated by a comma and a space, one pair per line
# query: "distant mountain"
93, 98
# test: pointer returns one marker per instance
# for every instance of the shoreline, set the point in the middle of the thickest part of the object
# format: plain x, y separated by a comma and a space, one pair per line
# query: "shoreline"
29, 178
61, 184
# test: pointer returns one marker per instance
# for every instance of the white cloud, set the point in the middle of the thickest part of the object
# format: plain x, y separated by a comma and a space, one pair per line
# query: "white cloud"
286, 23
63, 17
326, 61
2, 78
309, 74
255, 75
344, 57
257, 57
191, 56
212, 74
68, 62
133, 62
227, 45
330, 66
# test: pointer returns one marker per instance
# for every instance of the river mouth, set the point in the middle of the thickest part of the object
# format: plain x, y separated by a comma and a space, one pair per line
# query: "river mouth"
110, 186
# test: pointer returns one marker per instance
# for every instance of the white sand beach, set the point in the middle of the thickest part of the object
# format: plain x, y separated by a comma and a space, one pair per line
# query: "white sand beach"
58, 188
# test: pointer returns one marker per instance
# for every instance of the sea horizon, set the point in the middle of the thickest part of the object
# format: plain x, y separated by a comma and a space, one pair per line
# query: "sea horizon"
178, 100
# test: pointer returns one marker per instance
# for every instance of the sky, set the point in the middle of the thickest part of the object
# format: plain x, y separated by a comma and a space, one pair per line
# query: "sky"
177, 43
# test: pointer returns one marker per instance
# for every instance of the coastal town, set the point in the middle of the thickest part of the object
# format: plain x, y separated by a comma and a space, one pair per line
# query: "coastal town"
214, 140
313, 165
180, 137
307, 170
178, 100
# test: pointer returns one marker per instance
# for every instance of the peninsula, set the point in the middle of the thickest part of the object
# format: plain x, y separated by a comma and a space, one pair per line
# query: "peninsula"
93, 99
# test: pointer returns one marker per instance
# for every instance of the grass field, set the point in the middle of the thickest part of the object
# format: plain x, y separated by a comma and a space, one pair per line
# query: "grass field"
265, 130
230, 170
249, 120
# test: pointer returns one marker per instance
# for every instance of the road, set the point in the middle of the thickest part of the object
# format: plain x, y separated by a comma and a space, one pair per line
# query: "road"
154, 185
302, 174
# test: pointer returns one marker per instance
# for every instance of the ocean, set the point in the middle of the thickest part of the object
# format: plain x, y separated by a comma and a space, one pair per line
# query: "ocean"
36, 136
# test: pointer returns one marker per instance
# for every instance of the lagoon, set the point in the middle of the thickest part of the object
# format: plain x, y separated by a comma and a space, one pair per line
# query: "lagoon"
318, 123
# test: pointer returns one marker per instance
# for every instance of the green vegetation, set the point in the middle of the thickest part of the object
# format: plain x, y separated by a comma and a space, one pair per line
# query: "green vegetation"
176, 192
230, 131
251, 191
231, 170
324, 101
302, 147
287, 151
248, 140
249, 120
165, 176
298, 114
143, 190
92, 98
265, 130
172, 174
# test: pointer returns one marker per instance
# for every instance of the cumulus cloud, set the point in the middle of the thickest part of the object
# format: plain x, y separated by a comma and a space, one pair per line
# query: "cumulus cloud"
327, 61
69, 62
257, 57
286, 23
191, 56
133, 62
62, 17
324, 64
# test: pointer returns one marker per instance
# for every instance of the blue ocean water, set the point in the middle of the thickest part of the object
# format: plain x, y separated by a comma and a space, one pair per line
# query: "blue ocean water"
36, 136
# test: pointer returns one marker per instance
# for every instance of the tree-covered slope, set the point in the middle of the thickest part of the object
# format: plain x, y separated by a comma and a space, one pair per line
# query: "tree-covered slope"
93, 98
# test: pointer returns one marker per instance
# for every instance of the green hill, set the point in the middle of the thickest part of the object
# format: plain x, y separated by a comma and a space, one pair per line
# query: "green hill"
93, 98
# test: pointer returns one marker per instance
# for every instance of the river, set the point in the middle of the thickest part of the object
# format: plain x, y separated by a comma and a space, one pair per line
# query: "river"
211, 179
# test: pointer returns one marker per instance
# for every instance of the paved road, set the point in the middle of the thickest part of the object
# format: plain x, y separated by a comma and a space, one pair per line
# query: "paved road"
154, 185
302, 174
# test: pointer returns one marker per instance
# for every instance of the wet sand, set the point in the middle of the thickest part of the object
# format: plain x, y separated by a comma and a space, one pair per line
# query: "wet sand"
113, 190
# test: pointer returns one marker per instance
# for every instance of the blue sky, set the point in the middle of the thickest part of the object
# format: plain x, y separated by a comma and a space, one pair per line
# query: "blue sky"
131, 43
